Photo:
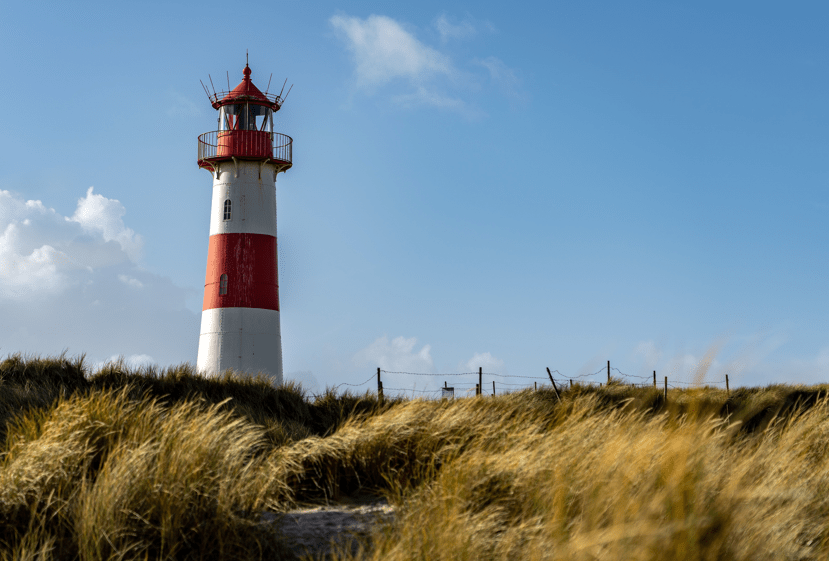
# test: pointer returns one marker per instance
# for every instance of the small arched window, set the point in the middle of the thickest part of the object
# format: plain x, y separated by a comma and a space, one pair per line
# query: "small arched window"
222, 285
227, 209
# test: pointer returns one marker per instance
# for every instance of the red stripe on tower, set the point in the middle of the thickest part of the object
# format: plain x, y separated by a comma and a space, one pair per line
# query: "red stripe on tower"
249, 261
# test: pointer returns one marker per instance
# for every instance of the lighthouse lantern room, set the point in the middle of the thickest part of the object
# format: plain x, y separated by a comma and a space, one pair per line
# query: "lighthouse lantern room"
240, 327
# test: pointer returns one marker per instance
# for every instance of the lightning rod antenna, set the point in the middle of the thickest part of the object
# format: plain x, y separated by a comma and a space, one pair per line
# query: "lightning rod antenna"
283, 88
269, 84
211, 84
205, 90
289, 91
228, 79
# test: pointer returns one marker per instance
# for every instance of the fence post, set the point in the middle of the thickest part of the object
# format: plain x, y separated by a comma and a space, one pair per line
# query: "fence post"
379, 385
571, 383
536, 386
654, 379
608, 372
493, 388
555, 389
666, 388
727, 389
480, 380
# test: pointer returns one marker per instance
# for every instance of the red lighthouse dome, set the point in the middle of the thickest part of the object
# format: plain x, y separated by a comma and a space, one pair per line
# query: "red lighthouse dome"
245, 129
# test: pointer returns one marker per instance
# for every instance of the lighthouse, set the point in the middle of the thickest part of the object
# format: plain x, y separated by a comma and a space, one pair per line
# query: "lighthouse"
240, 314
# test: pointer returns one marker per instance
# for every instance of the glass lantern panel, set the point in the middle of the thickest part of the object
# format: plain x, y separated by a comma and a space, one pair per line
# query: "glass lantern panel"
229, 117
260, 118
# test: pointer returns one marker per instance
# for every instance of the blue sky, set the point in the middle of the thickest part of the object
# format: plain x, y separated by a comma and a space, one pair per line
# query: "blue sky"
505, 185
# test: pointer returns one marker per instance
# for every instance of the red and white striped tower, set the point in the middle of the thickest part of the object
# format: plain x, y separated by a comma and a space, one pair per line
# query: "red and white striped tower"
240, 315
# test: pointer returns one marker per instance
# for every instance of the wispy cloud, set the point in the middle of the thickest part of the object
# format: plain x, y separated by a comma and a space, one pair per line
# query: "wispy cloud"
504, 78
131, 281
389, 57
384, 51
447, 29
402, 359
398, 355
486, 361
745, 359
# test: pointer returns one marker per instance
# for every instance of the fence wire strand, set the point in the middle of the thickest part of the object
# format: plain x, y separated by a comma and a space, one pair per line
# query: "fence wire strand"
564, 381
356, 385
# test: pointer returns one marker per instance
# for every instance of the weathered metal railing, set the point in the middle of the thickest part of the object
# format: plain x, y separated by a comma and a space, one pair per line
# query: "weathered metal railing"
219, 96
245, 144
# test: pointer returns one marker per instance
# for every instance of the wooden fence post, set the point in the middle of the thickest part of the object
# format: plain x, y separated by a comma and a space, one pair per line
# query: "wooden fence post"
480, 380
608, 372
493, 388
654, 379
379, 385
555, 389
666, 388
727, 389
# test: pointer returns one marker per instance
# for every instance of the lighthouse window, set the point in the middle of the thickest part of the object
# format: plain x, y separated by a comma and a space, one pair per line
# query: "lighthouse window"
244, 116
222, 285
261, 118
227, 209
229, 117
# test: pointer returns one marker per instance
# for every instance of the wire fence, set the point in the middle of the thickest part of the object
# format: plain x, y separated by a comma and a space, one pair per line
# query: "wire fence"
555, 378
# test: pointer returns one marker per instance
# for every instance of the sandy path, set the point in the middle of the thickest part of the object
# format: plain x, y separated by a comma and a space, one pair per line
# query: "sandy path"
317, 530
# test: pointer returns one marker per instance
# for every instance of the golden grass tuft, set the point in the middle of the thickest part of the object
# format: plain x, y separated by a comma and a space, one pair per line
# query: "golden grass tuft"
163, 464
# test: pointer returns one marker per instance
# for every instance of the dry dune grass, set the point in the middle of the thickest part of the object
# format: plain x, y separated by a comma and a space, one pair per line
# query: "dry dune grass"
119, 464
591, 482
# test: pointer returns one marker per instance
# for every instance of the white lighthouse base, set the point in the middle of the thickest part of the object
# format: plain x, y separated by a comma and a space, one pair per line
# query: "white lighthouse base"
247, 340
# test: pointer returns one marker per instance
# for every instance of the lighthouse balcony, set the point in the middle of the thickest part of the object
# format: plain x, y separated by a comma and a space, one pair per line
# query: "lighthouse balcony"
219, 146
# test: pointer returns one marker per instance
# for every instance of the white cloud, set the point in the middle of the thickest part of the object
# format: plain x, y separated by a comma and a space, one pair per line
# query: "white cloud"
389, 57
73, 283
490, 365
486, 361
448, 30
397, 355
405, 364
98, 215
744, 362
682, 368
41, 251
504, 77
130, 281
383, 51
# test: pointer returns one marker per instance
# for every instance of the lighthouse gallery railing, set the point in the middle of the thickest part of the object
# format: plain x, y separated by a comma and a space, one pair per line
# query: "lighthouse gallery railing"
241, 144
